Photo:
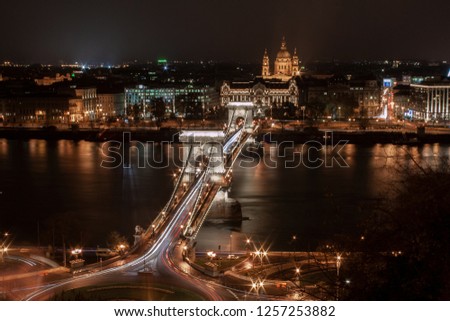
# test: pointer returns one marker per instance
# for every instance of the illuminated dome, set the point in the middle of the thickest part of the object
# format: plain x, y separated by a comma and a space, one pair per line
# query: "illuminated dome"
283, 53
285, 66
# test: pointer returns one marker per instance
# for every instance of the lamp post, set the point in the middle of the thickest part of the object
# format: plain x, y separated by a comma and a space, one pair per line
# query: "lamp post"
247, 244
297, 273
121, 248
339, 114
257, 285
294, 241
261, 253
338, 266
75, 252
303, 111
211, 255
231, 237
3, 247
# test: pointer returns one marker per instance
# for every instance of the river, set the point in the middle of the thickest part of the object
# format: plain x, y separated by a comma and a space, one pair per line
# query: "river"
54, 188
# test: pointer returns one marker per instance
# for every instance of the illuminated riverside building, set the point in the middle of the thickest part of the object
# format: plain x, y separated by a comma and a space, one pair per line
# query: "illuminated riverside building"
274, 87
430, 101
144, 96
110, 105
36, 108
85, 108
68, 105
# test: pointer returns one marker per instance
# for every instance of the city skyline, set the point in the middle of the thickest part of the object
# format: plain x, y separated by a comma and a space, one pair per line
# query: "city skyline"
114, 32
225, 151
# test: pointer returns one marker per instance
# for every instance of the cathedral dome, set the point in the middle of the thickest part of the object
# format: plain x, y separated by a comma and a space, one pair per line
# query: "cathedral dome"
283, 53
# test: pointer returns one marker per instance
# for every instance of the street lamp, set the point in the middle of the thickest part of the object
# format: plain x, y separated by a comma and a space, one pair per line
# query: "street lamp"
247, 244
261, 253
211, 255
121, 248
257, 285
297, 273
303, 110
4, 246
338, 264
231, 237
75, 252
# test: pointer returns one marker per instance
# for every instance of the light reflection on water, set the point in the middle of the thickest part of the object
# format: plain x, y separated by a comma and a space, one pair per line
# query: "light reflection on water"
62, 186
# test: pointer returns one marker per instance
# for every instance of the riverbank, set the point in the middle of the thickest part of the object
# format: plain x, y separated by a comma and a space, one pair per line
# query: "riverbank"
361, 137
94, 134
369, 137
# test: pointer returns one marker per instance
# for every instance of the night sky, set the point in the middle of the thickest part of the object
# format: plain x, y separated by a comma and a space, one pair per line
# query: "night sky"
113, 31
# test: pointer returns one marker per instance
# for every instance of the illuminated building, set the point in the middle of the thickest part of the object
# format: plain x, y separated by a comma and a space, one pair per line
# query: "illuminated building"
285, 66
358, 97
430, 101
110, 104
36, 108
47, 81
263, 93
84, 103
275, 88
144, 96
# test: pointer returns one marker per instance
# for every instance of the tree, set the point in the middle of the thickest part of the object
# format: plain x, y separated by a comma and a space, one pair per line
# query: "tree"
158, 108
406, 250
117, 242
316, 109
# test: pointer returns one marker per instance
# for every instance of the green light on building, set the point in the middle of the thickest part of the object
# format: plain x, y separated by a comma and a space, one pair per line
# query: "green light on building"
162, 61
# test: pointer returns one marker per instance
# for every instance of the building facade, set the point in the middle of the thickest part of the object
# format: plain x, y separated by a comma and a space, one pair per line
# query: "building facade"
262, 93
84, 106
144, 96
48, 81
430, 101
36, 108
274, 88
110, 105
357, 97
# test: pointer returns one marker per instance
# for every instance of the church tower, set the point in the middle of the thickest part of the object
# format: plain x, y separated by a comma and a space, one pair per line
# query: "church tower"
265, 65
285, 66
283, 62
295, 64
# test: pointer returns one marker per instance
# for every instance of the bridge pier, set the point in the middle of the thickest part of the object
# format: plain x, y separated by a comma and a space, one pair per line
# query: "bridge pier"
225, 208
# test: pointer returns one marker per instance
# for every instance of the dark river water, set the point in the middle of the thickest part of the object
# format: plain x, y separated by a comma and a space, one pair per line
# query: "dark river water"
54, 188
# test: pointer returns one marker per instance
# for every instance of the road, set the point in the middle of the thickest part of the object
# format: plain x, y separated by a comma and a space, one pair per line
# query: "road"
157, 258
160, 255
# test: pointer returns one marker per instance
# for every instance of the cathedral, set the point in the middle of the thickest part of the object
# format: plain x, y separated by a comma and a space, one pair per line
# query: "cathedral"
285, 66
275, 88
